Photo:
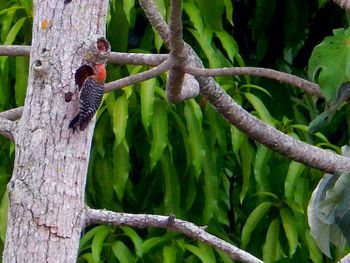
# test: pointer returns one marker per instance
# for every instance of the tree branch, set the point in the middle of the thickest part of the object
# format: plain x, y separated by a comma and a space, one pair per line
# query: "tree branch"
274, 139
6, 128
253, 127
94, 216
156, 19
13, 50
12, 114
177, 56
305, 85
137, 58
148, 74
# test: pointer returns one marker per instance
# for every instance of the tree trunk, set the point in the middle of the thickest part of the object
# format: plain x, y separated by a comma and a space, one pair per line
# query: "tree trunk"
46, 192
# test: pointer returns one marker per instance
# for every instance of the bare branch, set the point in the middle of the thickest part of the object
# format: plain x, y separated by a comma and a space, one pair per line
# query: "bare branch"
305, 85
94, 216
6, 128
13, 50
156, 19
154, 72
177, 55
345, 4
137, 58
12, 114
269, 136
115, 57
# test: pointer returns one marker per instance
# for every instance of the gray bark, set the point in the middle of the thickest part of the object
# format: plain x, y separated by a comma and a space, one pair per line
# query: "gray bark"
46, 192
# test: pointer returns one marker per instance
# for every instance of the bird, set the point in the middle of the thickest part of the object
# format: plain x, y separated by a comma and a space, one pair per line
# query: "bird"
90, 98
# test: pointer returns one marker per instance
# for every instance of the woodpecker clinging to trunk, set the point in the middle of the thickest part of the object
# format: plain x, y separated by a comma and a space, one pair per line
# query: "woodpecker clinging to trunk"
90, 97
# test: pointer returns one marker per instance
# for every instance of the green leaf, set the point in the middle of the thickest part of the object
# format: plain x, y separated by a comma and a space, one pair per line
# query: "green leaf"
88, 257
205, 40
172, 189
120, 118
147, 101
229, 11
229, 44
97, 243
237, 139
90, 234
3, 215
217, 127
159, 132
14, 31
330, 73
128, 6
315, 253
261, 168
169, 254
136, 240
252, 221
259, 106
204, 253
22, 64
194, 14
194, 117
152, 242
211, 189
6, 24
121, 168
10, 9
294, 171
122, 252
290, 229
211, 11
246, 152
271, 242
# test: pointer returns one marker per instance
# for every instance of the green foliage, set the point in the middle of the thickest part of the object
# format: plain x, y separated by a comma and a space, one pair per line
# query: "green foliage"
329, 72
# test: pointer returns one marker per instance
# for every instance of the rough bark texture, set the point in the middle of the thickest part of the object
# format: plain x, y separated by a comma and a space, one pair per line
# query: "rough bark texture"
46, 191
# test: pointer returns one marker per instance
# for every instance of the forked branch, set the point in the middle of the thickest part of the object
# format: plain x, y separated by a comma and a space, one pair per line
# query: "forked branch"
94, 216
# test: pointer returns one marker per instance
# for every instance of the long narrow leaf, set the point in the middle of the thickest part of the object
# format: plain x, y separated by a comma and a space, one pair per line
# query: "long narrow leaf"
253, 220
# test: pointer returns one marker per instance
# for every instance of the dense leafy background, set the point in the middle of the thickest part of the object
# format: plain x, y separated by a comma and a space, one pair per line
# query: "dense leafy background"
150, 156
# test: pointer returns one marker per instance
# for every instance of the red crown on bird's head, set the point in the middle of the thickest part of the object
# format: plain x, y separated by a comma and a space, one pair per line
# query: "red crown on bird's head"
100, 72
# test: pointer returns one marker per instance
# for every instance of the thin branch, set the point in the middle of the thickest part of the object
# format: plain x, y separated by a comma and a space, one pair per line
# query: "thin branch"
305, 85
12, 114
137, 58
115, 57
274, 139
177, 56
94, 216
6, 128
13, 50
154, 72
156, 19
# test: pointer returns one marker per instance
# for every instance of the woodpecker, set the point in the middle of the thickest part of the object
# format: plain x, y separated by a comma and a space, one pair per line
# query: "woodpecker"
90, 98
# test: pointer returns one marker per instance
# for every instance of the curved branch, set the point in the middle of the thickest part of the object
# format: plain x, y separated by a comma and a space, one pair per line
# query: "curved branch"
148, 74
269, 136
156, 19
177, 55
94, 216
12, 114
305, 85
6, 128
